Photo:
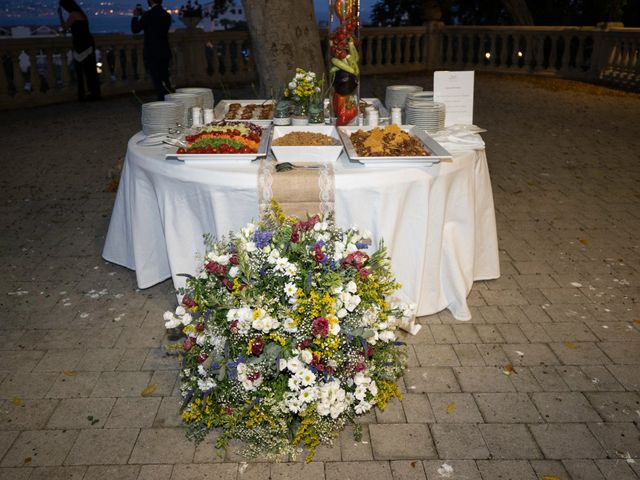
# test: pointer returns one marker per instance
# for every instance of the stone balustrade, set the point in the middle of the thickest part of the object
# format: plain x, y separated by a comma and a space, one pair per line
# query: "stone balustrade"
38, 71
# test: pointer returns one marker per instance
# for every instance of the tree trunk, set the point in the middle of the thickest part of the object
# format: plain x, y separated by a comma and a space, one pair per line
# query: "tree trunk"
284, 35
519, 11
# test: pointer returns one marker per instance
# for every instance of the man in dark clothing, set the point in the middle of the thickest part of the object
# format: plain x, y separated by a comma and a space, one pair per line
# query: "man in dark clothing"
155, 22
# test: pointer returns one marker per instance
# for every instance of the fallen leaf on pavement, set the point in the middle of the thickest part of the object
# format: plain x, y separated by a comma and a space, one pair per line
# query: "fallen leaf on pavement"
508, 369
70, 373
550, 477
451, 407
150, 390
570, 345
17, 401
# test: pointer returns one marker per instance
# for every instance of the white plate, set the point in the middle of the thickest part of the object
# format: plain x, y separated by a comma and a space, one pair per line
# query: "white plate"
222, 108
438, 152
301, 155
196, 158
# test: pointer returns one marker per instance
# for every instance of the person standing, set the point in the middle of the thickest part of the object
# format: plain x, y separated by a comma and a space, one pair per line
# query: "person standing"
155, 23
84, 49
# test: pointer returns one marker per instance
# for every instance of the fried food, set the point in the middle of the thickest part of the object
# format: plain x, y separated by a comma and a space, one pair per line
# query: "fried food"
304, 139
388, 142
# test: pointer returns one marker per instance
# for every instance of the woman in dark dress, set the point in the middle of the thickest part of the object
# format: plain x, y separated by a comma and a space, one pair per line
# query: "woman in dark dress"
84, 49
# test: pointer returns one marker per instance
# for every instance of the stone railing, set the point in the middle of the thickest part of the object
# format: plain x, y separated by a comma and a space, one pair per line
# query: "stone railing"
37, 71
590, 54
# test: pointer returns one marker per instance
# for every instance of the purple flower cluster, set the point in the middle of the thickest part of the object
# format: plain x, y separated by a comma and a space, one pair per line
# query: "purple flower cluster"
262, 238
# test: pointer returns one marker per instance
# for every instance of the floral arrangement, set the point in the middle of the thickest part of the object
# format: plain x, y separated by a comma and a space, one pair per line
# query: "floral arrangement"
290, 335
303, 86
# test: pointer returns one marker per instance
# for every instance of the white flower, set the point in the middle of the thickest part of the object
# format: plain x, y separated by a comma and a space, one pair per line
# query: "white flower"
361, 379
337, 408
273, 257
292, 85
361, 392
342, 313
334, 328
307, 377
308, 394
294, 405
200, 340
294, 364
386, 336
180, 310
352, 302
221, 259
291, 270
373, 388
352, 287
186, 319
290, 325
323, 409
206, 384
202, 371
362, 407
352, 248
171, 321
290, 289
294, 384
282, 364
306, 356
250, 247
281, 265
234, 271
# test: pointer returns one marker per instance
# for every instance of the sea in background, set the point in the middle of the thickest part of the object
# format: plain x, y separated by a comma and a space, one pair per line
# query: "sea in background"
122, 23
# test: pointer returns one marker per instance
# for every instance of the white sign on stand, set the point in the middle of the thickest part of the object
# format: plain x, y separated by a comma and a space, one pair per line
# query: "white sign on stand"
455, 90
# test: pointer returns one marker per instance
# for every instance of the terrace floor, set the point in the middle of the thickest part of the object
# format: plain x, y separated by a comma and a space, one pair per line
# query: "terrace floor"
543, 383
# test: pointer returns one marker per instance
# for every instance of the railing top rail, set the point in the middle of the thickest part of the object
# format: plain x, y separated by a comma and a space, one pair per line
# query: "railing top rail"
536, 28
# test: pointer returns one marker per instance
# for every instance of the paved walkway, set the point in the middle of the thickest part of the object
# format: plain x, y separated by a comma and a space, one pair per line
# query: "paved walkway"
543, 381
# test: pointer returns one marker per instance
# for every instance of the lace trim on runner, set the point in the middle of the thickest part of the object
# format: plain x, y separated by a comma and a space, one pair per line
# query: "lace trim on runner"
327, 185
265, 183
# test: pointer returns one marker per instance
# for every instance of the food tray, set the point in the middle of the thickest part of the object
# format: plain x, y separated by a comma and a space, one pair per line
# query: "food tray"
199, 158
305, 155
438, 152
223, 107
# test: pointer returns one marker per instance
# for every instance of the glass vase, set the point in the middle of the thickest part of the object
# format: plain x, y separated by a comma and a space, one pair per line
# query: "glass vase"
300, 112
344, 61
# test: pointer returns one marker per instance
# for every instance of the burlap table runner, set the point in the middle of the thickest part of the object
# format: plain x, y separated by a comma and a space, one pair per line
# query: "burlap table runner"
299, 192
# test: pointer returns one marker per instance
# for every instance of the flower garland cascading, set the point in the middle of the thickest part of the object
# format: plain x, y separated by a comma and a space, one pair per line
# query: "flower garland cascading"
290, 335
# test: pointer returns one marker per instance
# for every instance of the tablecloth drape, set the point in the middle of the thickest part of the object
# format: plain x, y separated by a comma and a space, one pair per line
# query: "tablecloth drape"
437, 222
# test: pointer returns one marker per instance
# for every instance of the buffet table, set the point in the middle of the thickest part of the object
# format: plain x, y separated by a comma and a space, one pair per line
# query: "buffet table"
437, 222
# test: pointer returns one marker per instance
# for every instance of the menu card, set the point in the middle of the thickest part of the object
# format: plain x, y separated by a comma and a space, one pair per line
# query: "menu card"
455, 90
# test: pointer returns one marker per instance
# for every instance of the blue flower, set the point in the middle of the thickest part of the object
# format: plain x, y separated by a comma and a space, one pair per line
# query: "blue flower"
262, 238
362, 245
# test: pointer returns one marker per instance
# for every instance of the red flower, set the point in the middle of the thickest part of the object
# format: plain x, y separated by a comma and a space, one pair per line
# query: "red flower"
215, 268
234, 259
320, 327
228, 411
200, 327
318, 254
227, 283
257, 346
202, 358
306, 343
359, 367
188, 302
369, 351
234, 326
187, 344
364, 272
253, 376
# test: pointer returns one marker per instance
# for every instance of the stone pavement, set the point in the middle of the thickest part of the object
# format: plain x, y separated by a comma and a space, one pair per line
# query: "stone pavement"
542, 383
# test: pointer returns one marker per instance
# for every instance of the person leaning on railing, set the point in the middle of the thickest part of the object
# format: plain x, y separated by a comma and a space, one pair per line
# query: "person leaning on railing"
84, 49
155, 23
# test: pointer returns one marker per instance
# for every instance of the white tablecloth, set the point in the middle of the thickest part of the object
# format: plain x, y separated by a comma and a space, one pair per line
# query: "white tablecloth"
437, 222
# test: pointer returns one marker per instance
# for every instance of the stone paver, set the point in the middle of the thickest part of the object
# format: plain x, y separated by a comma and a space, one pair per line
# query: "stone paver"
40, 448
401, 441
79, 350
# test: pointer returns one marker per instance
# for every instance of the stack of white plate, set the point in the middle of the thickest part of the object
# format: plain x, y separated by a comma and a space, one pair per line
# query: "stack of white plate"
396, 95
423, 112
158, 117
187, 101
205, 93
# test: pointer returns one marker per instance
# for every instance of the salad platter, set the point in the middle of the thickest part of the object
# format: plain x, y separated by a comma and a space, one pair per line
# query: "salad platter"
224, 142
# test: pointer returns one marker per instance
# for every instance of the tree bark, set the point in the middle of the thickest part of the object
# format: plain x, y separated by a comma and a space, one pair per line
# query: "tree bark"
284, 35
519, 11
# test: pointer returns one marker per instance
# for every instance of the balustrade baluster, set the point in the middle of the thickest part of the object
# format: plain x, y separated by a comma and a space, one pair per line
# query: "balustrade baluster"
514, 52
566, 53
580, 53
458, 61
502, 57
406, 55
398, 59
553, 54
